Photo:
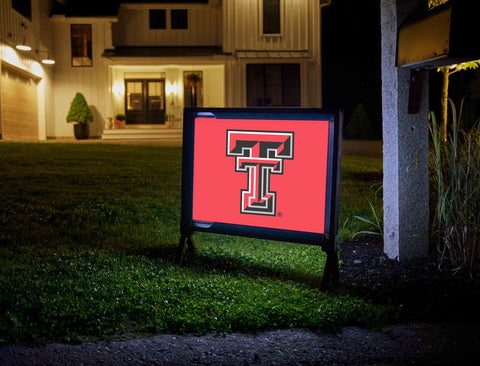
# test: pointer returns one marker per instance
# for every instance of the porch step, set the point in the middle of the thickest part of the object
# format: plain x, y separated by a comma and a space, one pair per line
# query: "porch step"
170, 134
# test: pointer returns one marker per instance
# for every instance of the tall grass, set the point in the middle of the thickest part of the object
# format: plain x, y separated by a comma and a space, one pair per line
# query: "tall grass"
455, 189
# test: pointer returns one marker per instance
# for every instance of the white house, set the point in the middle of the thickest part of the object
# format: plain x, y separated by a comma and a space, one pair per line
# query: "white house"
148, 60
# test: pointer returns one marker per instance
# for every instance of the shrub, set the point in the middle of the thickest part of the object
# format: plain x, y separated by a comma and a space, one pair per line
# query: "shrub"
79, 110
455, 188
359, 125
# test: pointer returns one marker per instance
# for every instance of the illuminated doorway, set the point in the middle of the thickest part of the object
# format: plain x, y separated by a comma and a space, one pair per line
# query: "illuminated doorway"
145, 101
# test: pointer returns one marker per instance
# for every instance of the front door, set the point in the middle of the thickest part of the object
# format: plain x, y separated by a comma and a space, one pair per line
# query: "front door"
145, 101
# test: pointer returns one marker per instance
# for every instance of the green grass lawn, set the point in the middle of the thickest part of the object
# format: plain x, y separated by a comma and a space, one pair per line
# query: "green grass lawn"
88, 235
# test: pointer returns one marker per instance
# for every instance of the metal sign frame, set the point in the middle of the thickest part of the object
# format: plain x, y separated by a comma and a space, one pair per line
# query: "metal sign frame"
327, 239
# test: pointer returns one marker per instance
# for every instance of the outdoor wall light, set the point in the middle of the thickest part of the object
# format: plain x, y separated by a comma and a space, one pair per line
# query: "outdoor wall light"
118, 89
172, 89
46, 60
22, 44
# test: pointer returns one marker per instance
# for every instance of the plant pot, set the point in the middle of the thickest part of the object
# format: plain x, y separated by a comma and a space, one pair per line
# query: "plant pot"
81, 131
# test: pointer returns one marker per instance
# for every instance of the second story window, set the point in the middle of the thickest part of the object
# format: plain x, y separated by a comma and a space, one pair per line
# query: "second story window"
24, 7
179, 18
158, 19
81, 45
271, 17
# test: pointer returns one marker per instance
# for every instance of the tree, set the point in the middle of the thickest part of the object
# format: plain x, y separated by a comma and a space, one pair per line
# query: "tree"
359, 125
446, 72
79, 111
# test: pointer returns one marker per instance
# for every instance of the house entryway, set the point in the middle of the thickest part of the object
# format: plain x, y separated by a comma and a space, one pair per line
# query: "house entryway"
145, 101
19, 115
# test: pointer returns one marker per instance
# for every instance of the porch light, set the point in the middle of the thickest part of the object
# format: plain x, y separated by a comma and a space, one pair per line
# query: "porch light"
118, 89
172, 89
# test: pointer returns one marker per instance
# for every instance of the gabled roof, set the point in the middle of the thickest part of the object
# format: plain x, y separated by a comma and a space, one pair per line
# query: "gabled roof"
85, 8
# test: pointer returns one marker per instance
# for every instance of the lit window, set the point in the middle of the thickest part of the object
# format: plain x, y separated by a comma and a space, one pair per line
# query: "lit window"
82, 45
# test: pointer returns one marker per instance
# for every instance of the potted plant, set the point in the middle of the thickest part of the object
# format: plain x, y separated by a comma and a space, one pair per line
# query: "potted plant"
81, 115
120, 121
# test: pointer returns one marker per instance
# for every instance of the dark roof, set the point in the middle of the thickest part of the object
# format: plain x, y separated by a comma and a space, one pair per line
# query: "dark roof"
139, 51
104, 8
85, 8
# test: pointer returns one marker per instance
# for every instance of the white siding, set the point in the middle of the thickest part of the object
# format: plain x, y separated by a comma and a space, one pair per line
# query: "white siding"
300, 31
11, 22
37, 33
243, 21
214, 87
92, 81
133, 28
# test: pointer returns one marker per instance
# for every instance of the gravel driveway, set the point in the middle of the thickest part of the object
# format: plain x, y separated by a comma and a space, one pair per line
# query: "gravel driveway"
412, 343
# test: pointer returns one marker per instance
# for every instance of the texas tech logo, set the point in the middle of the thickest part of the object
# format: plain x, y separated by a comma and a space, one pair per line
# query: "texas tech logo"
259, 154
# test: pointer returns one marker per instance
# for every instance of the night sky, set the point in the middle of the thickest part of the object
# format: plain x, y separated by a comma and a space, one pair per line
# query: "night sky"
352, 71
351, 58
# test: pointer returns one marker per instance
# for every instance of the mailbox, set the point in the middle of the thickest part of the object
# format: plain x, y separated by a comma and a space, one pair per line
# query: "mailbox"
446, 35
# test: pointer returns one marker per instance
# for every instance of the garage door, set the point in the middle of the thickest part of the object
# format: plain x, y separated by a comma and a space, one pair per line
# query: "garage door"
19, 117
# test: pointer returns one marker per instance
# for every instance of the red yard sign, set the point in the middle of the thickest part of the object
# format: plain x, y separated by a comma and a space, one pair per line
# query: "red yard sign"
268, 173
264, 173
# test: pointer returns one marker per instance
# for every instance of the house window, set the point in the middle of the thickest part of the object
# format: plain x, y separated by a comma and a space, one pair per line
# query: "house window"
81, 45
273, 85
271, 17
24, 7
193, 89
179, 19
158, 19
